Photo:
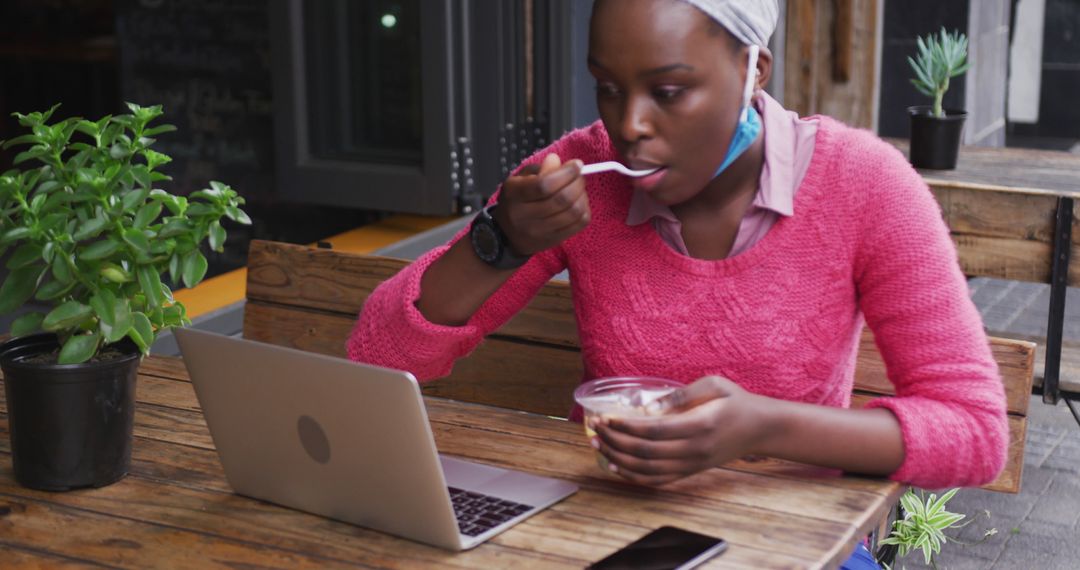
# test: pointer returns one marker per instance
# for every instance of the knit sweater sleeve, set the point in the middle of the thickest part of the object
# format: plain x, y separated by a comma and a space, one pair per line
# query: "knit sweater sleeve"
392, 332
949, 400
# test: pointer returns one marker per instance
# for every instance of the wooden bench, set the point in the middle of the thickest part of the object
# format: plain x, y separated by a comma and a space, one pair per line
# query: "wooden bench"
1013, 215
309, 298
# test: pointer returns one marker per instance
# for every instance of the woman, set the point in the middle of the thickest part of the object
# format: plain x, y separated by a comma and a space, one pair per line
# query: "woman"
744, 267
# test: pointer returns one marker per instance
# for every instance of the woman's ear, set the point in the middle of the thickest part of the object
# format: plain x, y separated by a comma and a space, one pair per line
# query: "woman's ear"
764, 68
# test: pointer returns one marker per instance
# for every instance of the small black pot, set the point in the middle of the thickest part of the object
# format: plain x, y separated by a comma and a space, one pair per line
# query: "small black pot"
70, 424
935, 141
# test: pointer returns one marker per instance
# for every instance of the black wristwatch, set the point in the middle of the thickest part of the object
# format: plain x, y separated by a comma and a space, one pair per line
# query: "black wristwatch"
490, 243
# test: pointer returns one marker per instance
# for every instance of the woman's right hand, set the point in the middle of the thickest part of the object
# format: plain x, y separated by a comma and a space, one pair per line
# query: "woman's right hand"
540, 207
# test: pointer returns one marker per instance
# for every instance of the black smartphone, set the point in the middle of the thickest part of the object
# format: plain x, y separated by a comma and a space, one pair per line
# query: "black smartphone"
666, 548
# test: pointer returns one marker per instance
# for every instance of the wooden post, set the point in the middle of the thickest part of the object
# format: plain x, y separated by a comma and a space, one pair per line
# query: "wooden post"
831, 59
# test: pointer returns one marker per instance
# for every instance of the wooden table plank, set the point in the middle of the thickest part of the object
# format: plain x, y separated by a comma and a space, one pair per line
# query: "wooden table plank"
1013, 169
164, 367
48, 521
20, 558
771, 513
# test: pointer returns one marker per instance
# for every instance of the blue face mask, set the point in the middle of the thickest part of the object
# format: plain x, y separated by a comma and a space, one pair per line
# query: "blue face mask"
749, 126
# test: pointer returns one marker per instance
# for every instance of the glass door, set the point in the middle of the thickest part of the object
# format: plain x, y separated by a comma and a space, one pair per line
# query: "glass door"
364, 104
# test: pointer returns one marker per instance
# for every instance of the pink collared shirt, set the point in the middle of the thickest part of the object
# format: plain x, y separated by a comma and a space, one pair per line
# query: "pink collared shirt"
789, 145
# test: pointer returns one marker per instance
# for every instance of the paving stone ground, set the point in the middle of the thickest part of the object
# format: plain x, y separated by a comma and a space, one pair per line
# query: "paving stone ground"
1040, 526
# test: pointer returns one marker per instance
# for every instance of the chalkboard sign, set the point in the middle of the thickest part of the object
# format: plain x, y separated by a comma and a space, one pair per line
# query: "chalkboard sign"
208, 63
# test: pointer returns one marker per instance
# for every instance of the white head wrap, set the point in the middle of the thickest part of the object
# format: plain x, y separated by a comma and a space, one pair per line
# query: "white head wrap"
751, 21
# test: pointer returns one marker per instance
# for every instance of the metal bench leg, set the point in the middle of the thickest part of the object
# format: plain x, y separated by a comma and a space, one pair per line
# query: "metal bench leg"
1075, 412
1059, 281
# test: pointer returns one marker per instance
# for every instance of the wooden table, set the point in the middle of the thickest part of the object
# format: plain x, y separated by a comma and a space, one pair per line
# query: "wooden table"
176, 510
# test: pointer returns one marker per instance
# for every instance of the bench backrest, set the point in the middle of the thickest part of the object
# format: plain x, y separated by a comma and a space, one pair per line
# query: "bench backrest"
309, 299
1000, 205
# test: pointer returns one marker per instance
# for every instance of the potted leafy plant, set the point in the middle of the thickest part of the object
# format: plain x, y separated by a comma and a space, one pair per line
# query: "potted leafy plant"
935, 131
87, 234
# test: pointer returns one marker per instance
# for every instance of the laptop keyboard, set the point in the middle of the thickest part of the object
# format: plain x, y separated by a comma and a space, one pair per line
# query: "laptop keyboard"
478, 513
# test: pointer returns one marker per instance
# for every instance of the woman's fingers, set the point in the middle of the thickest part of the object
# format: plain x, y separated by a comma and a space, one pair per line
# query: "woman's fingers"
538, 211
627, 464
702, 390
685, 425
646, 449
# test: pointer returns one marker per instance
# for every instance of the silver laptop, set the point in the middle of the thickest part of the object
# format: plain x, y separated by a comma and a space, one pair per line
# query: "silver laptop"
348, 441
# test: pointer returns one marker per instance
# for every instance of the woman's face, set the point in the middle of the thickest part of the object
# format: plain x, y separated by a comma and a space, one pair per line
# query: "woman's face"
669, 88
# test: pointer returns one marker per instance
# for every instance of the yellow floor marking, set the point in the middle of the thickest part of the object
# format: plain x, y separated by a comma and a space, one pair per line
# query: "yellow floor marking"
228, 288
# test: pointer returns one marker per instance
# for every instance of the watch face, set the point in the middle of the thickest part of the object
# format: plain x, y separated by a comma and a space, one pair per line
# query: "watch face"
485, 242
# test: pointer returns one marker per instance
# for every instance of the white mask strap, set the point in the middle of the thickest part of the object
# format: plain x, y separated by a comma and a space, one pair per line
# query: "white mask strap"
751, 76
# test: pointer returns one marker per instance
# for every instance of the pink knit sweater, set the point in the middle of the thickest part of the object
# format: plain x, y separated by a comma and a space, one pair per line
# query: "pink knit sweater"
782, 319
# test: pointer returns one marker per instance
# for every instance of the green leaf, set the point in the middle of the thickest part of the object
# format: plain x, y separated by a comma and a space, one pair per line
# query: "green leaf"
100, 249
18, 287
194, 269
166, 293
173, 315
53, 222
214, 196
944, 520
174, 268
199, 209
141, 174
171, 202
53, 290
159, 130
119, 151
220, 187
155, 159
48, 186
137, 240
174, 228
147, 214
939, 505
67, 315
89, 128
911, 503
24, 255
90, 229
150, 283
141, 333
61, 271
55, 200
124, 322
14, 234
134, 199
217, 236
157, 318
104, 305
114, 318
79, 348
37, 202
237, 215
26, 324
24, 139
114, 273
26, 155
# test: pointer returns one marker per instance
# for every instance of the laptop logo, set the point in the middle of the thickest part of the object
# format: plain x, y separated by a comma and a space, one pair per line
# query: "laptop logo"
313, 439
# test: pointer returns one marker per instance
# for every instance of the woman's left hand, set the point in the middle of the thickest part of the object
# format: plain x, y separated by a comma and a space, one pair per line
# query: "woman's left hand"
704, 425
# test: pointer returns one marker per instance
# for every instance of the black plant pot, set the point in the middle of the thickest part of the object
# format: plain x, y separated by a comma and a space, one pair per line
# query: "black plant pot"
935, 141
70, 424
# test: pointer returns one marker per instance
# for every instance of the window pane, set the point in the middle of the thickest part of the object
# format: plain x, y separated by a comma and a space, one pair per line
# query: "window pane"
363, 80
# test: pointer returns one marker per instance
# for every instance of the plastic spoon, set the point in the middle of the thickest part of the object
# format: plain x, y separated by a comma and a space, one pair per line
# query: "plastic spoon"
617, 167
